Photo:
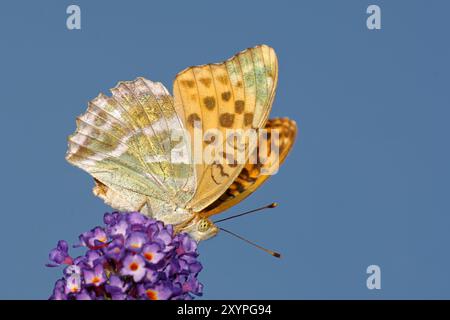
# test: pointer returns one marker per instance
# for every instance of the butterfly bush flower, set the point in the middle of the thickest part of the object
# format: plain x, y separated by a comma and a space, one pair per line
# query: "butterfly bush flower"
131, 257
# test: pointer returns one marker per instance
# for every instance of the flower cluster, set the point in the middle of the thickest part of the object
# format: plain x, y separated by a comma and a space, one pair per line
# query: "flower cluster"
131, 257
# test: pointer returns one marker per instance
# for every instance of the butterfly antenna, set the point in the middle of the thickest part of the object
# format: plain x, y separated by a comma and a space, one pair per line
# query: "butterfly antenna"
269, 206
271, 252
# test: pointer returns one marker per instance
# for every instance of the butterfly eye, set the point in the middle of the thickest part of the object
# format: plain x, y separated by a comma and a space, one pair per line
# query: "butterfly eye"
203, 225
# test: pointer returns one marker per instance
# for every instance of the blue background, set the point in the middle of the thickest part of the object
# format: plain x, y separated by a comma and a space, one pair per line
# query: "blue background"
368, 179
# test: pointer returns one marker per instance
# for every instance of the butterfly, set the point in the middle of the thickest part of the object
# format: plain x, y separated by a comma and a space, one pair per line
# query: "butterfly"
126, 143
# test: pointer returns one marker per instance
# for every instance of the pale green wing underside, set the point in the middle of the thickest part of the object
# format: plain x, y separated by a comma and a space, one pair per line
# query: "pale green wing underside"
134, 143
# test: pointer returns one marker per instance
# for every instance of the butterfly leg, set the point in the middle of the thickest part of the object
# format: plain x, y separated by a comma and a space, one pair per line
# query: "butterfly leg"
145, 208
142, 206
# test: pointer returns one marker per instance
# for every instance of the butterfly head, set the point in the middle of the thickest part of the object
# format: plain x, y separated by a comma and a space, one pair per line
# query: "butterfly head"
200, 228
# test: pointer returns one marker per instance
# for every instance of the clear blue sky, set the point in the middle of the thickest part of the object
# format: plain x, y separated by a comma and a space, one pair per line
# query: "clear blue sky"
367, 182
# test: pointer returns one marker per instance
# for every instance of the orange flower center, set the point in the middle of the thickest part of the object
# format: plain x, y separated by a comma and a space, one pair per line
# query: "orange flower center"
151, 294
148, 256
135, 245
96, 280
134, 266
74, 289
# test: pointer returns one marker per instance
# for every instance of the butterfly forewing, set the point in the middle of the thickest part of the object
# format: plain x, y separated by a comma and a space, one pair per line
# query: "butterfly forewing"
235, 94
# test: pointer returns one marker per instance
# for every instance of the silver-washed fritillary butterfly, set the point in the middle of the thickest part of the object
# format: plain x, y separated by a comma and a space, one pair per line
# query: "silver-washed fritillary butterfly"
126, 141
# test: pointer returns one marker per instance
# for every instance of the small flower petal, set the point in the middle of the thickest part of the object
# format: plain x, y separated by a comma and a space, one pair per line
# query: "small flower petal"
135, 241
134, 265
152, 253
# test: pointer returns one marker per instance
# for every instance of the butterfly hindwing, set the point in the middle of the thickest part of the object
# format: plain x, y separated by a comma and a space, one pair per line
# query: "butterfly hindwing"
124, 142
235, 94
253, 176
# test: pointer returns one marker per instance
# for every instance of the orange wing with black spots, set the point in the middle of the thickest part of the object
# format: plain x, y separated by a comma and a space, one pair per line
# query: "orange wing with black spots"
235, 94
253, 176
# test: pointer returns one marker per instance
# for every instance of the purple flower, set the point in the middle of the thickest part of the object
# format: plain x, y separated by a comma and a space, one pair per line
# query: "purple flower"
165, 237
73, 284
58, 291
160, 291
117, 288
83, 295
131, 257
134, 265
193, 285
92, 257
172, 269
135, 241
111, 218
115, 249
95, 276
190, 264
72, 269
94, 239
152, 253
186, 245
153, 276
118, 229
60, 255
137, 219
